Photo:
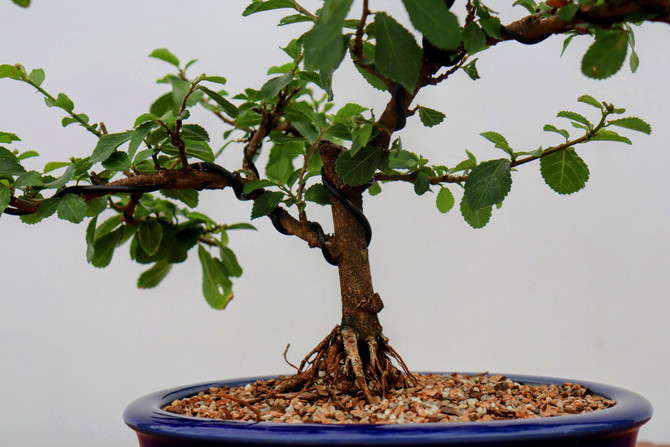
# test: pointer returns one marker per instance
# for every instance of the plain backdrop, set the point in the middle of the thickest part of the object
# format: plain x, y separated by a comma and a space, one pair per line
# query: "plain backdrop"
569, 286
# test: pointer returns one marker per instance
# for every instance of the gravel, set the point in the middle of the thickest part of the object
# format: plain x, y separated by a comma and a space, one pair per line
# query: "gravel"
433, 398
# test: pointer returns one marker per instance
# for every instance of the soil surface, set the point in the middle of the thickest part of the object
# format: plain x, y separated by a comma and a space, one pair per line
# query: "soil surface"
432, 398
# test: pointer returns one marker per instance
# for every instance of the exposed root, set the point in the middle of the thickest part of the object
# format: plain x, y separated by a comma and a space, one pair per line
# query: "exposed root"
343, 363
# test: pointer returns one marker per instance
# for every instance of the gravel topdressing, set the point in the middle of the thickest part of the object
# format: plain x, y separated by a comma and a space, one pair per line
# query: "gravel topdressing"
434, 398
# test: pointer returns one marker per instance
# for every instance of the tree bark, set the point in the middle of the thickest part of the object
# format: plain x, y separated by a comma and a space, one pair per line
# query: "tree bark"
360, 304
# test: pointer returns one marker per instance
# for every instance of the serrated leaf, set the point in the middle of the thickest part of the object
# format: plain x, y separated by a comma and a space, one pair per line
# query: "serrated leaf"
421, 184
359, 168
324, 44
272, 87
477, 218
150, 234
498, 140
30, 178
266, 203
10, 71
575, 117
216, 286
268, 5
550, 128
228, 107
488, 184
165, 55
350, 110
590, 100
434, 20
375, 189
103, 248
139, 134
318, 194
143, 118
606, 56
229, 262
632, 123
471, 70
62, 180
430, 117
71, 207
241, 226
117, 161
27, 154
444, 200
152, 277
257, 184
195, 131
397, 55
6, 137
187, 196
474, 39
108, 144
609, 135
565, 172
530, 5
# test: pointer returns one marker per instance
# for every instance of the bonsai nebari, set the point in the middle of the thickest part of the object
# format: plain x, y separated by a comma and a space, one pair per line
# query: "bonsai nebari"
318, 153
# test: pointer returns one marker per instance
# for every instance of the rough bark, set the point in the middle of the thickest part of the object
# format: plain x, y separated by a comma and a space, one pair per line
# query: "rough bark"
360, 303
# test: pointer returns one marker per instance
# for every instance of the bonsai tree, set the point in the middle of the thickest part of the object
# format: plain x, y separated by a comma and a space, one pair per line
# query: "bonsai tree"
139, 186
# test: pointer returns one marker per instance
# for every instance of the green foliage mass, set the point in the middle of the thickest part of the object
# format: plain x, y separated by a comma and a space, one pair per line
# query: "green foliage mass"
290, 113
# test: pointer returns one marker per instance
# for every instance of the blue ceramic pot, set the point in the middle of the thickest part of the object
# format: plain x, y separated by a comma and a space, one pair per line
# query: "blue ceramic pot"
614, 427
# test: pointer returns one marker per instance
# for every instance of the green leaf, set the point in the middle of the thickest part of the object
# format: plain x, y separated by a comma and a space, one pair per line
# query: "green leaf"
62, 180
266, 203
22, 3
498, 140
10, 71
632, 123
5, 197
257, 184
27, 154
229, 262
471, 70
165, 55
259, 6
30, 178
421, 184
375, 189
349, 111
62, 101
360, 168
117, 161
434, 20
143, 118
139, 134
567, 12
216, 286
11, 167
488, 184
272, 87
609, 135
550, 128
37, 76
575, 117
187, 196
241, 226
152, 277
474, 39
108, 144
606, 56
228, 107
103, 248
590, 100
215, 79
150, 233
324, 44
397, 55
565, 172
530, 5
430, 117
475, 218
195, 131
6, 137
53, 165
444, 200
318, 194
634, 60
71, 207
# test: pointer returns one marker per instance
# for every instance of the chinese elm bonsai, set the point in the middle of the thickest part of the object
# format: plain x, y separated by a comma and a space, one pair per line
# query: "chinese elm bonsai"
140, 186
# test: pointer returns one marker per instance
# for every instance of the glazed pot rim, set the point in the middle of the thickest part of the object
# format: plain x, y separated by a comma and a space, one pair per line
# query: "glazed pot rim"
145, 416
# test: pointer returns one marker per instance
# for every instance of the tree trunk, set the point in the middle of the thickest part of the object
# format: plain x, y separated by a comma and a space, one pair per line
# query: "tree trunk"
360, 304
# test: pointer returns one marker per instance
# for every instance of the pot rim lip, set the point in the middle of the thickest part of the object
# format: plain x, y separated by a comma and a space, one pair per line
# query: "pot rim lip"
145, 416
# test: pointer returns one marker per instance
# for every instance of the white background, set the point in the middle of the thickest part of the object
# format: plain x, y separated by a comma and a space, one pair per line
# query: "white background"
573, 286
